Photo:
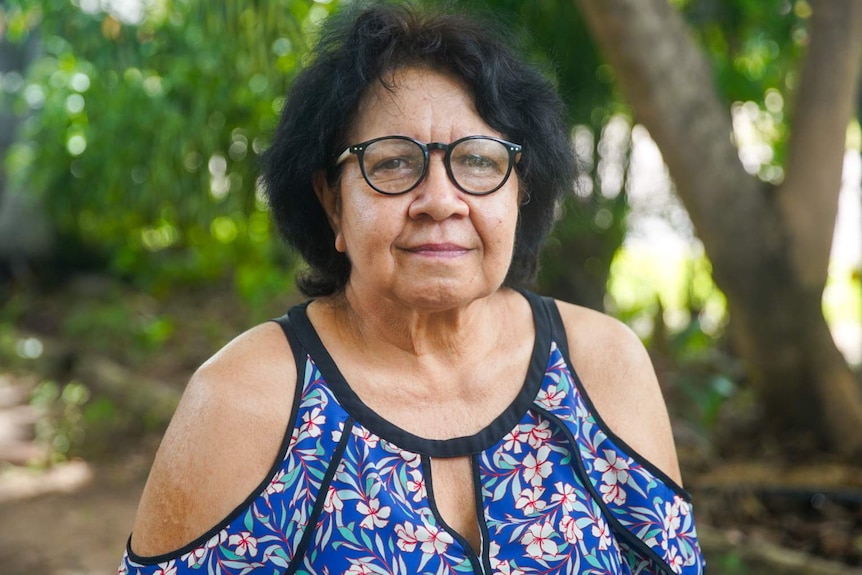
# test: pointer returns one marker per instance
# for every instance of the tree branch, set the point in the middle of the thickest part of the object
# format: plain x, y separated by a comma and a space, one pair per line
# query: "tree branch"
824, 105
668, 81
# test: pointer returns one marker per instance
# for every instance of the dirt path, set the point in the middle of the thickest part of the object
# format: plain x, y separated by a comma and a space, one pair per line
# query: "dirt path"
80, 530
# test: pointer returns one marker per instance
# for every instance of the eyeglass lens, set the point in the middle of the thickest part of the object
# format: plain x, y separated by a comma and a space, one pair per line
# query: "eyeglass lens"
395, 165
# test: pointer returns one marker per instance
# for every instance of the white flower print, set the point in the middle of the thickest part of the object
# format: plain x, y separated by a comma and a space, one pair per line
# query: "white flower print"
675, 560
168, 569
539, 434
375, 516
672, 519
601, 530
359, 568
276, 486
416, 485
312, 422
551, 397
512, 441
614, 469
433, 539
538, 541
537, 468
406, 537
565, 495
613, 493
244, 543
217, 539
332, 502
530, 501
571, 532
369, 438
196, 557
493, 551
337, 433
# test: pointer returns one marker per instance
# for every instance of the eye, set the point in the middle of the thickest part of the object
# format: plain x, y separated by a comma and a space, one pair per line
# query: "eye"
477, 162
395, 163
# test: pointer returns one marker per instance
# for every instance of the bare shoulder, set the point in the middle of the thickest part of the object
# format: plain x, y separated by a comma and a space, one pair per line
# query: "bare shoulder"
619, 377
221, 442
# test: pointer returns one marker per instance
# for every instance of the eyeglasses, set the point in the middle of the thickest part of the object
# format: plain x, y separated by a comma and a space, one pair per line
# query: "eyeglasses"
394, 165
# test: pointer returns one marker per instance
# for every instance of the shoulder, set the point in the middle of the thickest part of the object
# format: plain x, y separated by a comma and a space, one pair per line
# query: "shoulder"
221, 443
619, 377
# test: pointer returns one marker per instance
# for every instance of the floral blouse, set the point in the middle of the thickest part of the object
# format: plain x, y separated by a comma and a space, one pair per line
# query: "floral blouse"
352, 494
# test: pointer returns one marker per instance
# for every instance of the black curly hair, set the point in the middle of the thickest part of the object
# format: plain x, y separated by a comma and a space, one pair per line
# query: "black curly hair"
361, 45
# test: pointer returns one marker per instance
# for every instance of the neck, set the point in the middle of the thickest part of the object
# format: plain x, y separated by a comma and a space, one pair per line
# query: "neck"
453, 332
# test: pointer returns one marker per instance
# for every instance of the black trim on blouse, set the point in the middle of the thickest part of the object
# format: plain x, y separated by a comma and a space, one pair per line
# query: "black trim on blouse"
559, 336
457, 446
286, 327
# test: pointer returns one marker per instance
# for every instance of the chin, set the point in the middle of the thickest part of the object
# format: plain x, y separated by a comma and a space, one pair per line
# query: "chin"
441, 296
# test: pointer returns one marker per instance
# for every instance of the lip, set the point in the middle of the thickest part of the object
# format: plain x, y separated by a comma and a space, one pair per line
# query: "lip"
441, 250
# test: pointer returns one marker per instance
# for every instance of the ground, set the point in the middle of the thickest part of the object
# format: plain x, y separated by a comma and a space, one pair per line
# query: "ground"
756, 514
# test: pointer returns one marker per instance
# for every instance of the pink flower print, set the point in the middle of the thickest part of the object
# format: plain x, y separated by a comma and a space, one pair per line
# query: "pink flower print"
571, 532
512, 441
375, 516
168, 569
332, 502
614, 469
416, 485
433, 539
551, 397
601, 530
122, 569
613, 493
538, 541
539, 434
537, 468
406, 537
244, 543
565, 495
530, 501
312, 422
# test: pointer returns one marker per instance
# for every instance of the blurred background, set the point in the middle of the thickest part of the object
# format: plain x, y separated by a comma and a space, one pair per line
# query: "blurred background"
718, 212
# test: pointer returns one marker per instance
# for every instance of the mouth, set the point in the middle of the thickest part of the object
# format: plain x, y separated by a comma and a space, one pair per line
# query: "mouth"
441, 250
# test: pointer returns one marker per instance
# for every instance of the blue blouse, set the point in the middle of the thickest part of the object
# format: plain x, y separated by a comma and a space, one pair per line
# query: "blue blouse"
352, 494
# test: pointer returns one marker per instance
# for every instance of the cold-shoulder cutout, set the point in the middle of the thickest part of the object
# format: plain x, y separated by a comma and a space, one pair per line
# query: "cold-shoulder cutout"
222, 443
620, 380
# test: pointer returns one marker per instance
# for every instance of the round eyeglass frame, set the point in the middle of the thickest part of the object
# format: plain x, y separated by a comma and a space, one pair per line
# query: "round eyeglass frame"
359, 150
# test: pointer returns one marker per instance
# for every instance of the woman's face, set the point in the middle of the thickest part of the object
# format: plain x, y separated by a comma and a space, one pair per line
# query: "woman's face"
434, 247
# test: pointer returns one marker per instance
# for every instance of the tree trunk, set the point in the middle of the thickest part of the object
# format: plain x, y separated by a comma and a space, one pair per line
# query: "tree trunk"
760, 240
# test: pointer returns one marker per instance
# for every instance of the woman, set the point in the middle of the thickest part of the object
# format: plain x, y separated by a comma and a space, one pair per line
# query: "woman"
421, 414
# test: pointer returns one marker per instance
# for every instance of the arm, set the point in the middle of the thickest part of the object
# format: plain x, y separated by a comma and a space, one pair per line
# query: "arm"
618, 375
221, 442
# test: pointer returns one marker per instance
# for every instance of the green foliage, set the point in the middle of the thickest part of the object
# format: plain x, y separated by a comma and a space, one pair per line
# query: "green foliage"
143, 134
755, 47
61, 427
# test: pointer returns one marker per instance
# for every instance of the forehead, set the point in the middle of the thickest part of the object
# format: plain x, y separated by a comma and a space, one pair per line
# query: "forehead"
421, 103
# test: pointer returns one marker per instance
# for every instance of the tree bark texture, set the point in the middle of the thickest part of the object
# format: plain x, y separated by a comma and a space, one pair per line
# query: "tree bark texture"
759, 241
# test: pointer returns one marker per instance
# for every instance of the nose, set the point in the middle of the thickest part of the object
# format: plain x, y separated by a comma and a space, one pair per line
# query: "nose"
437, 196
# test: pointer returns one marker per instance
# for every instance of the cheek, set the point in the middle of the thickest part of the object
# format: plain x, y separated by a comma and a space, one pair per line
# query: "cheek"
366, 225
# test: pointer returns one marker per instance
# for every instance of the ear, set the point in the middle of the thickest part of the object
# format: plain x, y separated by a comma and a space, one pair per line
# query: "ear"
330, 200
